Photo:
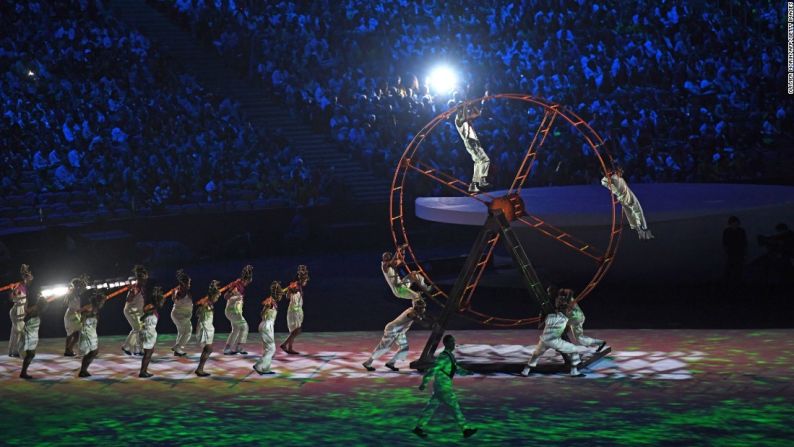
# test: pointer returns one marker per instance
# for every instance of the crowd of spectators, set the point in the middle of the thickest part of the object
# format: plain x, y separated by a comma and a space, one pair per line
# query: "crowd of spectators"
90, 107
681, 91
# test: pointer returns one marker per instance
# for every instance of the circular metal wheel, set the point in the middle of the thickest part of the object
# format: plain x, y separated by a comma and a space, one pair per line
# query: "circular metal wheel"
551, 116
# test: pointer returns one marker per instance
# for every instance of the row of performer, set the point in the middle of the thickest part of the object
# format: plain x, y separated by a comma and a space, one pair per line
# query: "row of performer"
142, 311
562, 330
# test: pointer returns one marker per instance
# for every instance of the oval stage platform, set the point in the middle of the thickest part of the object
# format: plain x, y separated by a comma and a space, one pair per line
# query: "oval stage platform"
687, 220
586, 205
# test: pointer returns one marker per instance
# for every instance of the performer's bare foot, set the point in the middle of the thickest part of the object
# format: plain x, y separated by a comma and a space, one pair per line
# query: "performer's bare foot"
284, 348
392, 367
83, 374
202, 374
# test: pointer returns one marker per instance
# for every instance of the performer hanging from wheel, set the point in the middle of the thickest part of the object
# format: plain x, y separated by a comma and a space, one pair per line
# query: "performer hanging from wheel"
463, 123
30, 336
295, 309
149, 331
395, 333
442, 372
269, 312
71, 319
205, 331
89, 341
631, 205
576, 323
405, 287
555, 325
234, 312
19, 296
133, 310
182, 313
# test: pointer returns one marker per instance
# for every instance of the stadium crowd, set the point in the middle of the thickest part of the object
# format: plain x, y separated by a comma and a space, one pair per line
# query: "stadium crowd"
681, 91
91, 109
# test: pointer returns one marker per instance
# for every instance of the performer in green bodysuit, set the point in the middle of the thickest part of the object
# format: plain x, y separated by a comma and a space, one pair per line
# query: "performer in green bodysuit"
443, 371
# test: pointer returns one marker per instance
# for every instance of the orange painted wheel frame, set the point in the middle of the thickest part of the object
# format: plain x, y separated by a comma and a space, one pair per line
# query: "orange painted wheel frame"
411, 162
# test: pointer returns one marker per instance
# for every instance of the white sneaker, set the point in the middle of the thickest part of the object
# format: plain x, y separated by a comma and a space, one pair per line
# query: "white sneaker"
526, 371
473, 187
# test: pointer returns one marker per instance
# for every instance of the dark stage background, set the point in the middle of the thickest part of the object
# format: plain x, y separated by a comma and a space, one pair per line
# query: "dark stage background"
347, 292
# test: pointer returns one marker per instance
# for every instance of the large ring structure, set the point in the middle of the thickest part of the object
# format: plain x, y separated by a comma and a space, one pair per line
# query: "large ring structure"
411, 161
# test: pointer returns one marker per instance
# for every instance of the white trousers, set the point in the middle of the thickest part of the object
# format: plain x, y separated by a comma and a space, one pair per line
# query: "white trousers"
557, 344
184, 328
239, 332
17, 315
386, 344
133, 343
268, 347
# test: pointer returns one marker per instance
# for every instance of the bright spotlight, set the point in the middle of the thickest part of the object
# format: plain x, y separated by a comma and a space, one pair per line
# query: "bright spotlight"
55, 292
442, 80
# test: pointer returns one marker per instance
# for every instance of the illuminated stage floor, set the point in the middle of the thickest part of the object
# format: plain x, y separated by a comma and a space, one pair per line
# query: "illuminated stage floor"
658, 387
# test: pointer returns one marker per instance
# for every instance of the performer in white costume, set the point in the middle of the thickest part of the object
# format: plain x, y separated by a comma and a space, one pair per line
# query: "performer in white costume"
576, 323
266, 330
89, 341
295, 309
133, 310
19, 296
463, 119
205, 331
30, 336
234, 312
181, 313
395, 333
629, 202
551, 338
149, 332
401, 287
71, 319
